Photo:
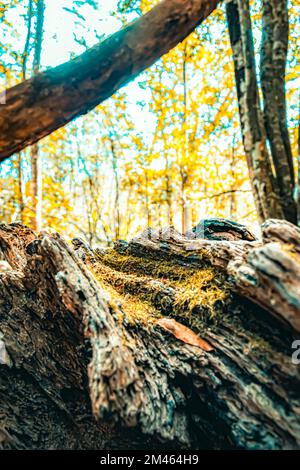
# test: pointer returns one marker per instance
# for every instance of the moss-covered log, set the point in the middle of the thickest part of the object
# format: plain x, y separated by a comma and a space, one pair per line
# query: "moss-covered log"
83, 347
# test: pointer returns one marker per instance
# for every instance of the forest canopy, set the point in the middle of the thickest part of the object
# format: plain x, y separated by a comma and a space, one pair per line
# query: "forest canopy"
164, 150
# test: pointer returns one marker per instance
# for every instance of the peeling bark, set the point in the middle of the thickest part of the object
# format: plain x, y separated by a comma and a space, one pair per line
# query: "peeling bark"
274, 48
271, 174
67, 345
252, 126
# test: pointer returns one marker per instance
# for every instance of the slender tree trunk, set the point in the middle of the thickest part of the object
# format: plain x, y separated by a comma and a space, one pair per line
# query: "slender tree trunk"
168, 188
36, 187
37, 107
253, 131
183, 202
117, 219
274, 48
185, 145
233, 201
297, 192
21, 189
129, 212
88, 213
28, 37
36, 165
25, 55
39, 35
147, 199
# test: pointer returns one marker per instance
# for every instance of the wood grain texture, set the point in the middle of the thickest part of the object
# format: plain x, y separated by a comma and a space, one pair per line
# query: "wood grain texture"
71, 347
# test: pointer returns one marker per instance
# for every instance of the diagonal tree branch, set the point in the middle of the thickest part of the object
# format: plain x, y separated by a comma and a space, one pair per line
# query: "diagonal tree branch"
39, 106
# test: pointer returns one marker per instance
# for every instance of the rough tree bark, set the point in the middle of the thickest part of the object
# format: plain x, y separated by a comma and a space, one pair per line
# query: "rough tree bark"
97, 368
37, 107
264, 186
36, 164
274, 48
271, 173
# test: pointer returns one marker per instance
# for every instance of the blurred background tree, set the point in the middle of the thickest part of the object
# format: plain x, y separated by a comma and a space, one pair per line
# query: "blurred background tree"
167, 150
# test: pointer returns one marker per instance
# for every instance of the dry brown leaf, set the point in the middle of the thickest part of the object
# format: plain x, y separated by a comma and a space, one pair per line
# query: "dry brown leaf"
183, 333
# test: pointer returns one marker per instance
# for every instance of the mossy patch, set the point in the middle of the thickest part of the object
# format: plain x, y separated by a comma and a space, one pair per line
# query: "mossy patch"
135, 310
157, 268
148, 289
204, 290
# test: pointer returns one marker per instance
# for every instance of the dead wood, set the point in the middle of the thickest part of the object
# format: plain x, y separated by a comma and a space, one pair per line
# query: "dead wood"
84, 362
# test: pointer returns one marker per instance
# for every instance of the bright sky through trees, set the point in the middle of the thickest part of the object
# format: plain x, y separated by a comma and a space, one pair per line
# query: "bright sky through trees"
165, 150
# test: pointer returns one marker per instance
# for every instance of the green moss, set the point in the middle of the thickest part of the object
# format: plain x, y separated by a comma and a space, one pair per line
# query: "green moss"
202, 290
186, 292
160, 269
135, 310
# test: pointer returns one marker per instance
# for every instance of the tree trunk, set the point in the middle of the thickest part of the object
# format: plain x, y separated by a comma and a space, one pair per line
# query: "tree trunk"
85, 368
183, 201
21, 189
275, 29
36, 187
147, 199
233, 200
168, 189
117, 217
184, 147
252, 126
297, 192
36, 166
37, 107
26, 51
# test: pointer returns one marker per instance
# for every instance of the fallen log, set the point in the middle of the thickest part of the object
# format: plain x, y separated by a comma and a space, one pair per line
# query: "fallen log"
96, 346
